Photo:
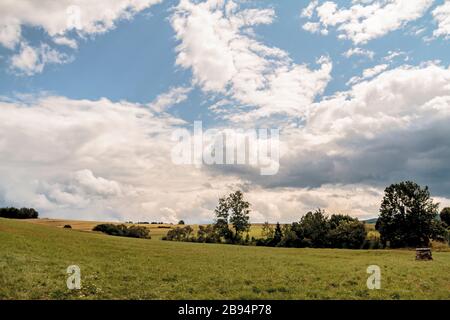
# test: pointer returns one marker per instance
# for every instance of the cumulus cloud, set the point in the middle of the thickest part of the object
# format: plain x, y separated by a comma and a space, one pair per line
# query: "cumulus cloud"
64, 41
101, 160
368, 73
442, 16
367, 20
390, 128
31, 60
359, 52
57, 18
170, 98
60, 20
217, 43
308, 11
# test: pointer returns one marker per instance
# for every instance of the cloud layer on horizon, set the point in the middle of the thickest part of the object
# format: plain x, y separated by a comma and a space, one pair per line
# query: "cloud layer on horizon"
98, 159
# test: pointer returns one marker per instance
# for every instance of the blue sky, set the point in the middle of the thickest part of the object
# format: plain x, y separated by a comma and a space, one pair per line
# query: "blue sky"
175, 60
136, 60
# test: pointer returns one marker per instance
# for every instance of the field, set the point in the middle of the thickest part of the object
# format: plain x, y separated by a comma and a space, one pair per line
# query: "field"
34, 258
156, 230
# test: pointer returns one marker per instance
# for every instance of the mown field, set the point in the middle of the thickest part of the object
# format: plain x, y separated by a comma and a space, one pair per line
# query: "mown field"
156, 230
34, 258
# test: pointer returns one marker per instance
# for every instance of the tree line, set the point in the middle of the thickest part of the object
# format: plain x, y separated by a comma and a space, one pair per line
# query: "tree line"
15, 213
408, 218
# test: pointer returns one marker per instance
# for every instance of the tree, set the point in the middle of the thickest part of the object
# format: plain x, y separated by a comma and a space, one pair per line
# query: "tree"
267, 230
222, 218
240, 213
23, 213
408, 216
313, 227
289, 238
445, 216
338, 219
232, 210
278, 235
181, 222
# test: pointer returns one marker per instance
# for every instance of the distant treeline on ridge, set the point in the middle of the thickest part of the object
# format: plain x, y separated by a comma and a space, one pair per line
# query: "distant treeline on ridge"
15, 213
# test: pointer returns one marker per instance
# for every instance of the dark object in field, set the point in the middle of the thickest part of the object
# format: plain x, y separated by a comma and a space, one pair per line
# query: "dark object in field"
423, 254
14, 213
122, 230
163, 227
67, 226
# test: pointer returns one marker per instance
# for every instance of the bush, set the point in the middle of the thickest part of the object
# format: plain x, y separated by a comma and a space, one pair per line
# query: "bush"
179, 234
14, 213
122, 230
348, 235
445, 216
181, 222
67, 226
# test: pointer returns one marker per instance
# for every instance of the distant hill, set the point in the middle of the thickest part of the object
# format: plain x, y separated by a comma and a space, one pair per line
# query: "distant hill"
371, 221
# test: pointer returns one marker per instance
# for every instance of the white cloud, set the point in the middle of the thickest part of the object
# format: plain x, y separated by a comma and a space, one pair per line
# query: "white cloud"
111, 161
10, 33
368, 20
314, 27
64, 41
309, 10
32, 60
368, 73
395, 54
57, 18
168, 99
217, 44
359, 52
442, 15
60, 20
99, 160
390, 128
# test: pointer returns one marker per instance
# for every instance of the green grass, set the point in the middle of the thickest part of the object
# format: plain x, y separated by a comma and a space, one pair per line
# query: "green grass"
34, 258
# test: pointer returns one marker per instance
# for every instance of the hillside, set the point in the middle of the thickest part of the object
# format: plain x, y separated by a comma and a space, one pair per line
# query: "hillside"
34, 258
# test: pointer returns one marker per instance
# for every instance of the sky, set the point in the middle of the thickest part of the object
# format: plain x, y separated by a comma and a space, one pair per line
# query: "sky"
93, 92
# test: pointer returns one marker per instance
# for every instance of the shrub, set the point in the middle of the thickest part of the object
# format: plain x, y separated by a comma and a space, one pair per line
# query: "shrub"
208, 234
348, 235
179, 234
122, 230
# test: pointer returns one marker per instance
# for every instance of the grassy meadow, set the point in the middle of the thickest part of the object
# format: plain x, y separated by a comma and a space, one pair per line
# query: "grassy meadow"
34, 258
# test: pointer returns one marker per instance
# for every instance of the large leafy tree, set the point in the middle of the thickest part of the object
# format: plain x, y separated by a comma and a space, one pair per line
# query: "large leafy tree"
314, 227
232, 210
408, 216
